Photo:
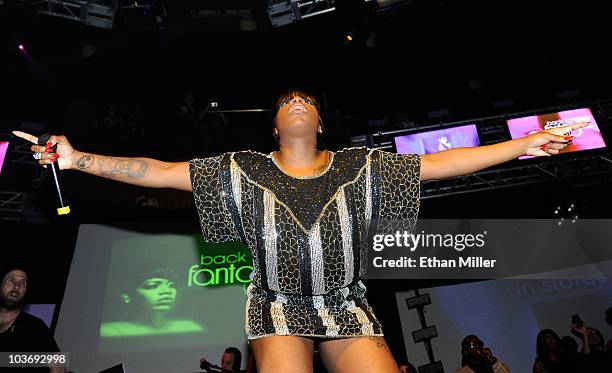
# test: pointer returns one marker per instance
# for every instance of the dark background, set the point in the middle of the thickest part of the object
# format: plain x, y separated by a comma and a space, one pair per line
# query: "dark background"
126, 98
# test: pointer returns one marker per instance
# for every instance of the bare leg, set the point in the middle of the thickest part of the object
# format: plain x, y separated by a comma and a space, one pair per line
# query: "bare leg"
362, 354
280, 354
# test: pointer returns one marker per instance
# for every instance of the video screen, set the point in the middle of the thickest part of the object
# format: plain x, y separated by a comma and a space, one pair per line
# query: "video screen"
154, 302
585, 138
3, 150
430, 142
508, 314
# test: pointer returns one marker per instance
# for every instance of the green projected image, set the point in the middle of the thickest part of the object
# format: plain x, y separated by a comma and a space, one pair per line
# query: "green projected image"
150, 298
172, 291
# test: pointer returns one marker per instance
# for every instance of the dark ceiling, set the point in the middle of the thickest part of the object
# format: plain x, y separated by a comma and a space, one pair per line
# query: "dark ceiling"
429, 55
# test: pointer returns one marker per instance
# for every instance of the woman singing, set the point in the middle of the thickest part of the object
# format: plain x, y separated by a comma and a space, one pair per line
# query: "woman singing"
301, 209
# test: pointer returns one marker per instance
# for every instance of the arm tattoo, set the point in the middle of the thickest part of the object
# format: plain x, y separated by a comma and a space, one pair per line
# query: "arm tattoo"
380, 342
85, 162
131, 168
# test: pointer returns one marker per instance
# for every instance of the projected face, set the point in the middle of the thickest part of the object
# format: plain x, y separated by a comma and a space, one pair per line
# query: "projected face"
158, 294
14, 286
149, 308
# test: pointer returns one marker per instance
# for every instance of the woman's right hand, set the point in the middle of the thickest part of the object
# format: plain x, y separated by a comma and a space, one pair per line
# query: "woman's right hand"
140, 171
65, 156
580, 332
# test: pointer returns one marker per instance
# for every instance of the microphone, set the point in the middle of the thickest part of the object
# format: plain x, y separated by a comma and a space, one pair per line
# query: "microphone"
205, 364
63, 208
210, 367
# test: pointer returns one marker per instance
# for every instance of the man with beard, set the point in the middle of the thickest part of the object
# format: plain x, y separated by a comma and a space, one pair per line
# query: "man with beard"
478, 359
20, 331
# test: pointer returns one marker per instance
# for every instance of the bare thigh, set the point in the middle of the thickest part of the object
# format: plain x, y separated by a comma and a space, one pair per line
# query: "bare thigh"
280, 354
362, 354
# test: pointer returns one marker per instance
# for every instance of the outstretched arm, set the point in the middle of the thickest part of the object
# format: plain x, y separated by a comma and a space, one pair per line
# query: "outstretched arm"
139, 171
583, 333
462, 161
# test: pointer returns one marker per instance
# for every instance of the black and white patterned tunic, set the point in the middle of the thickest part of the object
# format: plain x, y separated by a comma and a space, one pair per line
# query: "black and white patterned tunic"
305, 233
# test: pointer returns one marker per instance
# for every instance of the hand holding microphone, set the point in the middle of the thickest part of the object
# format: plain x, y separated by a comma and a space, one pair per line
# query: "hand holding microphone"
57, 152
56, 149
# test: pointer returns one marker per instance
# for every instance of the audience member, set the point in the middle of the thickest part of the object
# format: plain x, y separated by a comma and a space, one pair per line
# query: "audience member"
569, 353
231, 359
593, 353
20, 331
548, 349
476, 358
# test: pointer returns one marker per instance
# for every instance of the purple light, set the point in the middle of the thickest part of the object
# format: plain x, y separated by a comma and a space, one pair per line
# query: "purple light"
21, 47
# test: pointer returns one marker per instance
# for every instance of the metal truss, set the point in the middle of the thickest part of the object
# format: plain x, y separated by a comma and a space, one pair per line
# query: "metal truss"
41, 179
21, 153
17, 206
284, 12
97, 13
12, 205
583, 171
582, 168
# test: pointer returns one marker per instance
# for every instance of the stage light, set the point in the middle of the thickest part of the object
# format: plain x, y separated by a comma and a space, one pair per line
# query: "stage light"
566, 213
348, 38
212, 105
21, 47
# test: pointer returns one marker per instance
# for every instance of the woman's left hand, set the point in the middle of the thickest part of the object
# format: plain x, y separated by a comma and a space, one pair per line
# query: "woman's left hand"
551, 141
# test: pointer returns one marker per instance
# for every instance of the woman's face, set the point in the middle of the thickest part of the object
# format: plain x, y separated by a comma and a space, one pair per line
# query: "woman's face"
473, 347
551, 342
297, 116
158, 294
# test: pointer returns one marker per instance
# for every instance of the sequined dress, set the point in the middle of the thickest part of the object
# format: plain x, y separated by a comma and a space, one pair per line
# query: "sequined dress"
305, 233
